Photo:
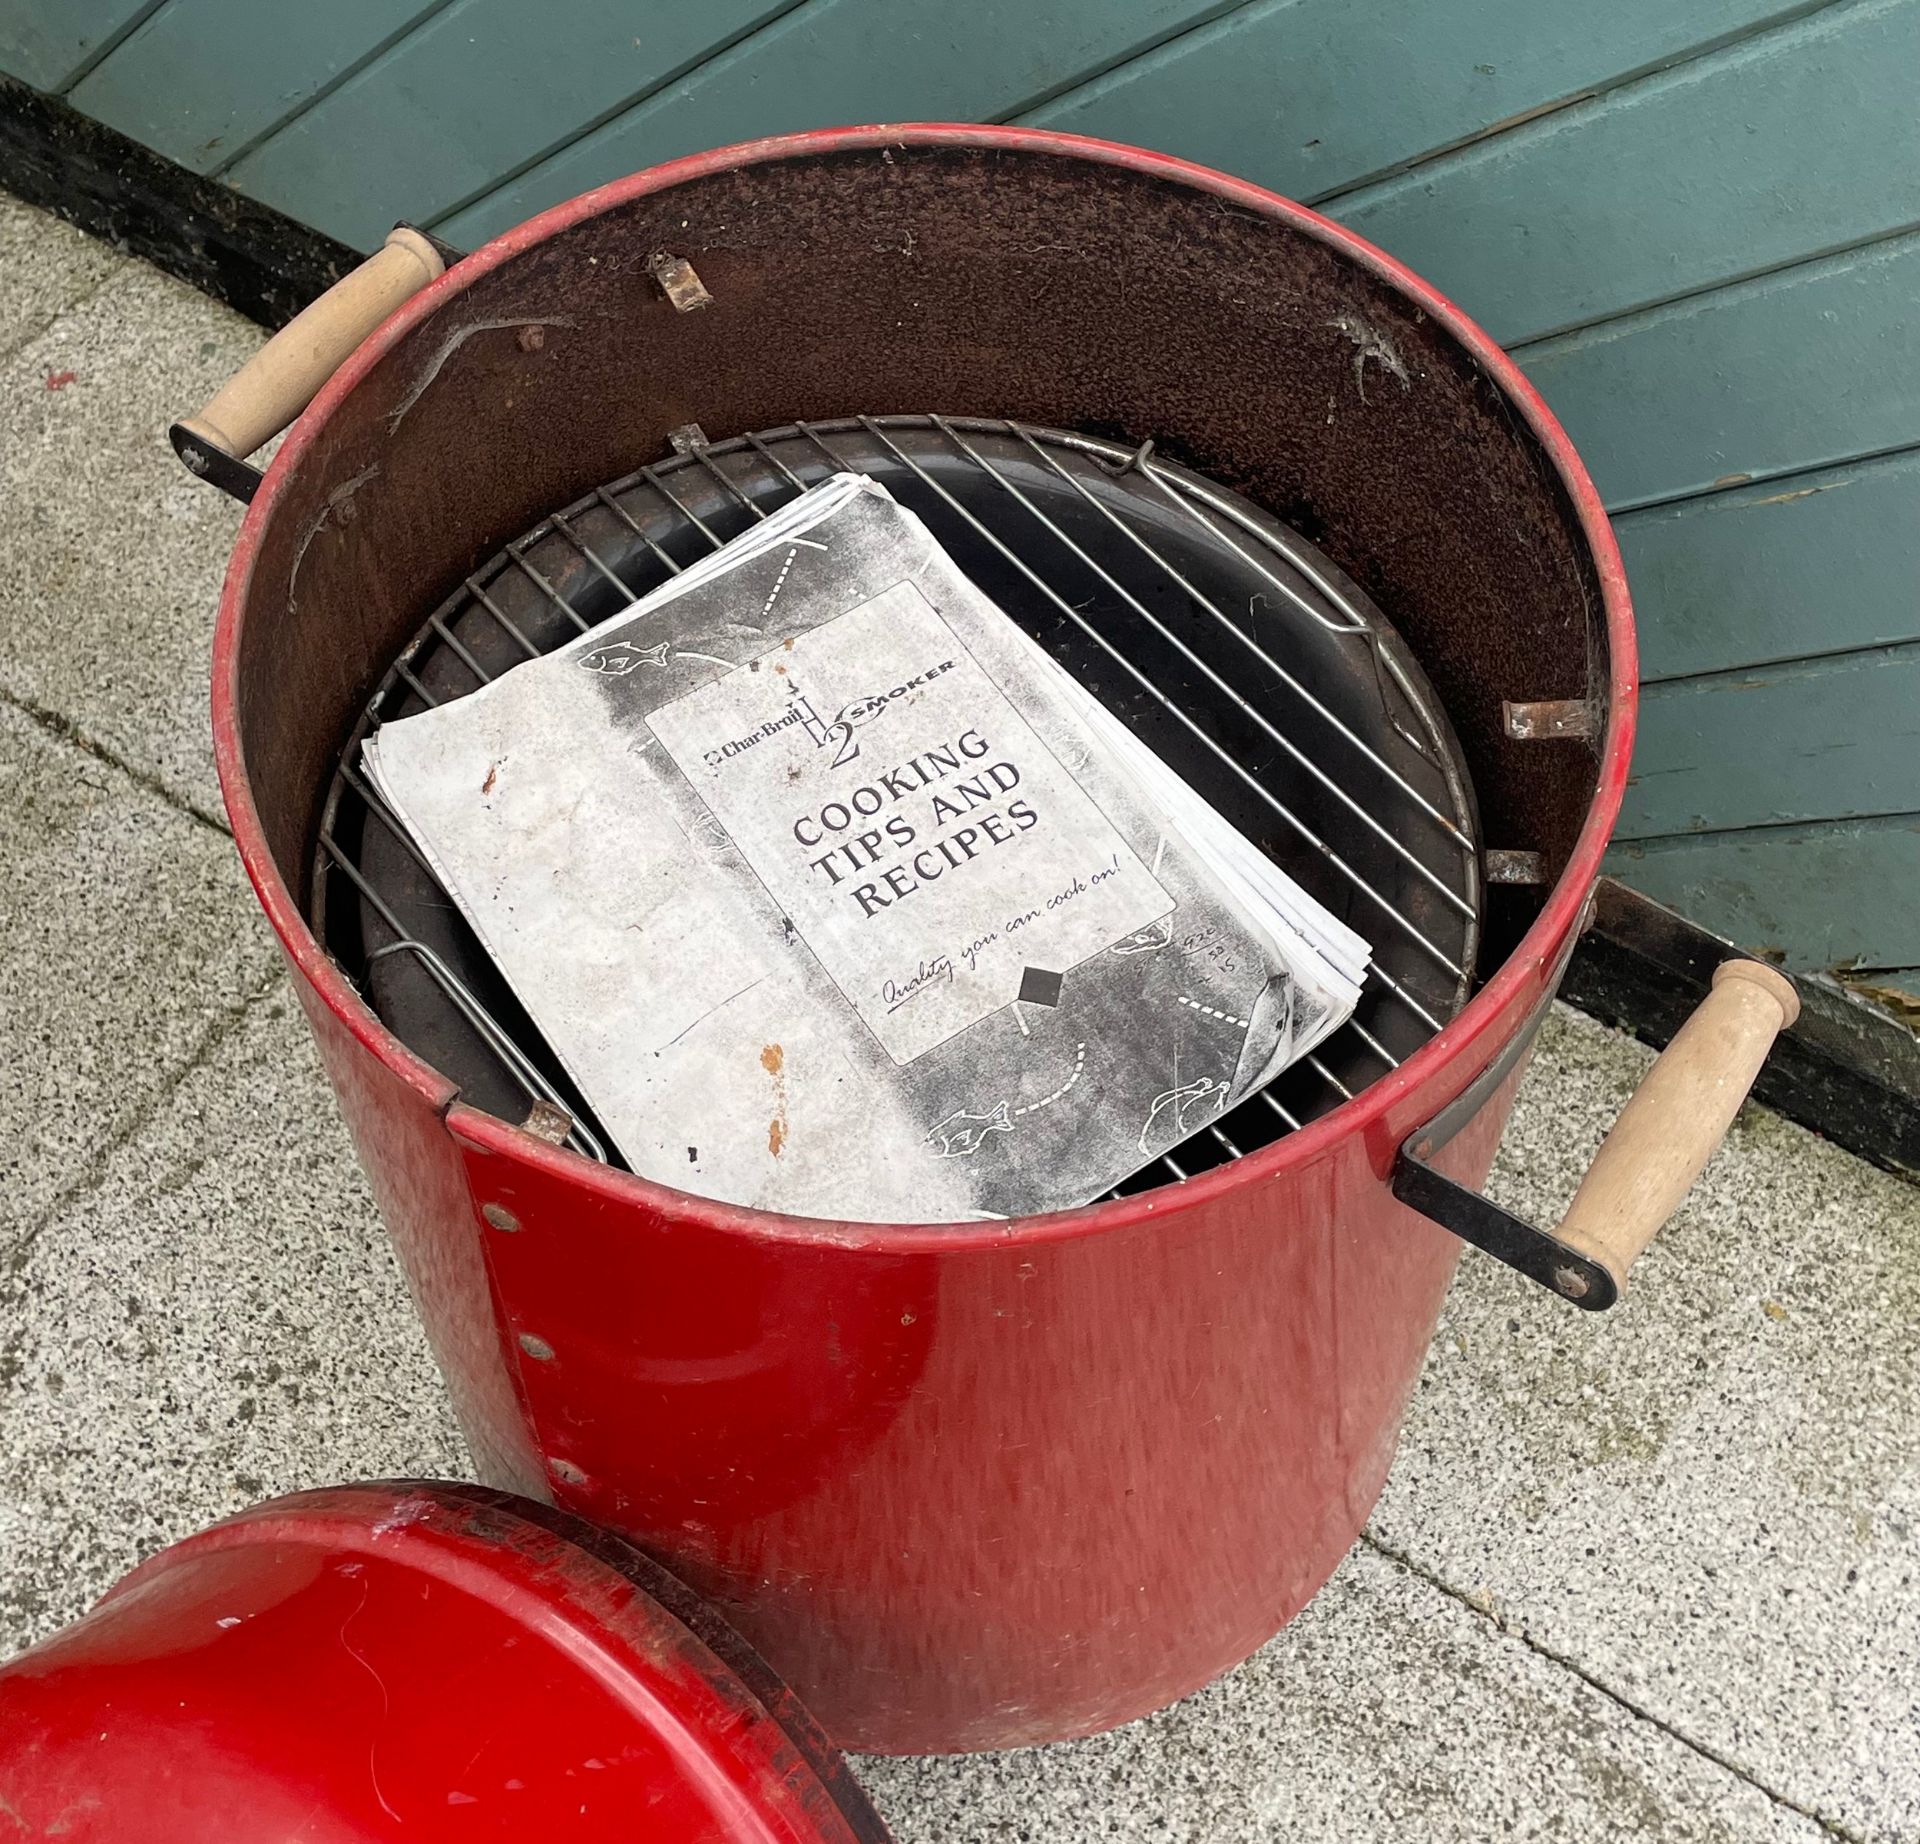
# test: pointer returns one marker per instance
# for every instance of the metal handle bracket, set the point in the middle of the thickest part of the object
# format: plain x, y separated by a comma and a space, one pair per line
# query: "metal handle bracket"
1524, 1246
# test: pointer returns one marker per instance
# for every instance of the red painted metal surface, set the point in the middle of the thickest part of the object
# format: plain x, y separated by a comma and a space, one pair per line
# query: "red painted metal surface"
990, 1495
410, 1662
966, 1486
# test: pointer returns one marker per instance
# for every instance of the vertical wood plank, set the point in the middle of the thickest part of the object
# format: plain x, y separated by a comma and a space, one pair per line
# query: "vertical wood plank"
1793, 371
201, 79
479, 90
1806, 138
838, 61
1812, 563
48, 42
1313, 96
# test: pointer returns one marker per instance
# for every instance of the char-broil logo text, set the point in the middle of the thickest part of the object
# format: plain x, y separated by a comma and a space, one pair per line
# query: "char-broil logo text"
840, 733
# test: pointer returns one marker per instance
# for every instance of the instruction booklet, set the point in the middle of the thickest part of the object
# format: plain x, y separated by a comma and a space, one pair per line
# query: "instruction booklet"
837, 896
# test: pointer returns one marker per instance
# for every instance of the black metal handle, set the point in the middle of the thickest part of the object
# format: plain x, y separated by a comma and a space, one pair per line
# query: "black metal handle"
208, 461
1525, 1247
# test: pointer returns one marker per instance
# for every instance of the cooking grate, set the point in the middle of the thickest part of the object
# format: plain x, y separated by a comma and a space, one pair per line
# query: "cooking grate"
1237, 650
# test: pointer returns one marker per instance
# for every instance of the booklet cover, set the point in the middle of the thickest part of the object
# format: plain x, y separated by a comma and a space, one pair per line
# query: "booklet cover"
836, 896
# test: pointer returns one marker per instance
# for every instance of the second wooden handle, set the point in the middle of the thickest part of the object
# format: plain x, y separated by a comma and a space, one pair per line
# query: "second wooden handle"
286, 374
1678, 1116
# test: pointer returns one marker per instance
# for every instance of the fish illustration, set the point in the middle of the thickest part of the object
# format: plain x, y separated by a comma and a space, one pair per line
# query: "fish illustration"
1146, 940
622, 656
1177, 1102
961, 1135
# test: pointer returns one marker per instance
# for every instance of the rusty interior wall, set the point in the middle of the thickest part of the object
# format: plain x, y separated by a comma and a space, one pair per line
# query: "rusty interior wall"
1004, 283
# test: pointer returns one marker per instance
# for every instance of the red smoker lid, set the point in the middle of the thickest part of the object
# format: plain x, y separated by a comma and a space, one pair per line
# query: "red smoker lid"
414, 1662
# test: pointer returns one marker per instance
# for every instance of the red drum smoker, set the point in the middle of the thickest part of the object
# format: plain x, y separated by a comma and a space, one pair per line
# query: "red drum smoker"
966, 1486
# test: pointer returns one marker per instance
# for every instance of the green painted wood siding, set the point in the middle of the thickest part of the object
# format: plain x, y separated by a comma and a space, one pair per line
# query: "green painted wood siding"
1316, 97
203, 83
1838, 893
1757, 575
1809, 366
1695, 222
51, 44
1801, 138
1839, 738
477, 92
833, 61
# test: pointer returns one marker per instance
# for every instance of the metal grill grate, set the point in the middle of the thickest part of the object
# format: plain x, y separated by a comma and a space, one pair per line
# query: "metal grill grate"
1236, 649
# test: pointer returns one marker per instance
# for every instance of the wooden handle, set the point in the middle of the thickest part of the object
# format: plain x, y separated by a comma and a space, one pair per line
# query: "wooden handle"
1678, 1116
286, 374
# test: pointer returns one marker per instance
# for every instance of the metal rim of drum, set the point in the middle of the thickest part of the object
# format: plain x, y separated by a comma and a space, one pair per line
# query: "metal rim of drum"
1127, 567
1507, 1000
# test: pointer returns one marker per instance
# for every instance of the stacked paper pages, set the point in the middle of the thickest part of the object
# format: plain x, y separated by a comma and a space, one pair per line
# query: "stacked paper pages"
837, 896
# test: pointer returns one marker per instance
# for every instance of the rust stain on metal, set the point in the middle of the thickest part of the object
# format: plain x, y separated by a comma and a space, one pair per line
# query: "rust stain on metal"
678, 281
1571, 1283
1733, 480
1528, 721
547, 1122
